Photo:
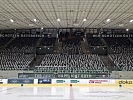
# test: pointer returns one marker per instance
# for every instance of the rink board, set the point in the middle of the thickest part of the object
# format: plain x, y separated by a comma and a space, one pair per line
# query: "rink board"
66, 82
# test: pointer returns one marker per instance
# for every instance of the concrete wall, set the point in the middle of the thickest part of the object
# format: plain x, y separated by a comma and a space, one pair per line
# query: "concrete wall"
10, 74
122, 74
114, 74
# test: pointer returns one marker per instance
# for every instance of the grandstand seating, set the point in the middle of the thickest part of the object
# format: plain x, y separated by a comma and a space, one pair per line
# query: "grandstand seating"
95, 41
121, 50
48, 41
71, 46
22, 45
84, 62
119, 45
123, 62
20, 53
4, 40
15, 61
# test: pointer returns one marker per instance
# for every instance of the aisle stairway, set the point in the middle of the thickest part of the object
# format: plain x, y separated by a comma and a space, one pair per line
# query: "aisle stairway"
6, 45
37, 60
107, 62
58, 47
86, 46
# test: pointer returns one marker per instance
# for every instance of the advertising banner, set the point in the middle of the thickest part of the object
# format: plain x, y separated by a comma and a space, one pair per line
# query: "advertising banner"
125, 82
101, 81
20, 81
44, 81
83, 81
60, 81
74, 81
34, 75
69, 81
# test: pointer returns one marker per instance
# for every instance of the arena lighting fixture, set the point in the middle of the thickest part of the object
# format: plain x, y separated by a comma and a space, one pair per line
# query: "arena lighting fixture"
31, 24
11, 20
121, 25
34, 20
108, 20
41, 28
58, 20
131, 21
84, 20
76, 24
127, 29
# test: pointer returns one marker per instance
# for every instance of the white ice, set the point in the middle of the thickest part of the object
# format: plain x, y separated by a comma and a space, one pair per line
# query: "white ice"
66, 93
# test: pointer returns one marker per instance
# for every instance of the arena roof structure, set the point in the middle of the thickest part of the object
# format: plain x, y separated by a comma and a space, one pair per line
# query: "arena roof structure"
18, 14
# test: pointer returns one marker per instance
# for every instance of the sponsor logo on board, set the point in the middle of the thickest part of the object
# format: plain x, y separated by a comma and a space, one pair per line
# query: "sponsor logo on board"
74, 81
44, 81
125, 82
60, 81
98, 81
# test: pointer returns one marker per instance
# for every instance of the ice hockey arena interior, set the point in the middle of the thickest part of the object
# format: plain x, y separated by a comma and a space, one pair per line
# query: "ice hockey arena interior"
66, 49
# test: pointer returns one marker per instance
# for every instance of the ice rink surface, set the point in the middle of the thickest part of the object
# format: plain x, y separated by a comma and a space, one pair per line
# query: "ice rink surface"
66, 93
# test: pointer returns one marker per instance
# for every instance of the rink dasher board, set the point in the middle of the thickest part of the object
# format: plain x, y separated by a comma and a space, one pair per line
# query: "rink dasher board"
73, 82
45, 85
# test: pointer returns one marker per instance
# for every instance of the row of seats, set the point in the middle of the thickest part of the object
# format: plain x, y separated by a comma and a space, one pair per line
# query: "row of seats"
71, 46
4, 40
95, 41
22, 44
48, 41
63, 69
15, 61
87, 62
119, 45
123, 62
71, 59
